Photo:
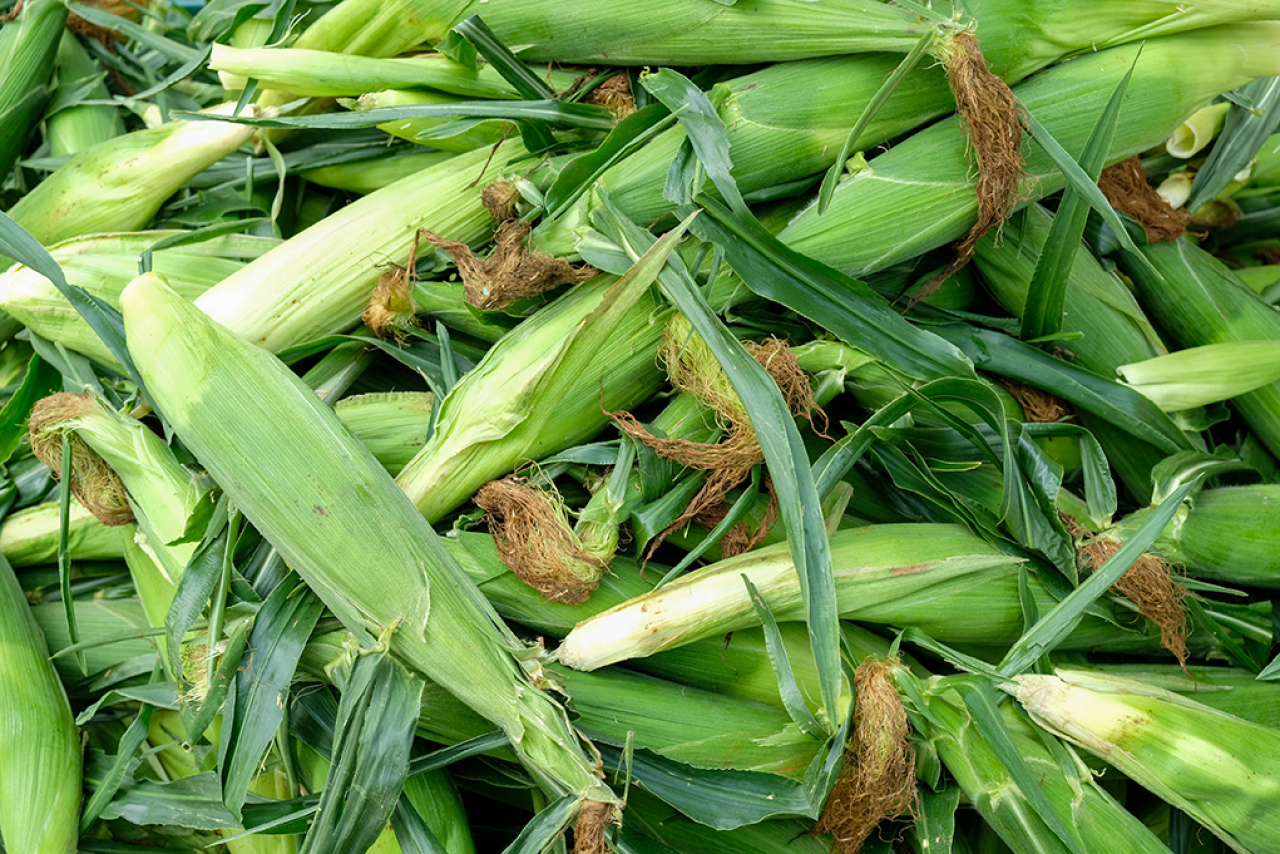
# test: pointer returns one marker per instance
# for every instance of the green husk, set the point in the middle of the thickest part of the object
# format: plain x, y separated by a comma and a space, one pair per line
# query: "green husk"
39, 745
1222, 771
103, 264
920, 195
367, 176
419, 130
365, 550
118, 185
392, 425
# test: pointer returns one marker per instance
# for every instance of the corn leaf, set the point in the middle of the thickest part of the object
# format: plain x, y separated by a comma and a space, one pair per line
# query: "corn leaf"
196, 719
191, 802
1121, 406
526, 83
1047, 290
446, 756
40, 381
115, 772
411, 830
377, 718
705, 130
981, 700
882, 94
199, 578
280, 632
546, 827
1059, 622
586, 116
717, 798
788, 688
578, 175
846, 307
164, 46
783, 449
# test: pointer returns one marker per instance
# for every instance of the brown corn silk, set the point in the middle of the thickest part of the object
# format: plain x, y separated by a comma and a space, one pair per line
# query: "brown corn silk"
614, 95
499, 199
1126, 188
531, 532
511, 272
692, 369
391, 311
1148, 584
989, 115
594, 818
1038, 405
93, 482
878, 777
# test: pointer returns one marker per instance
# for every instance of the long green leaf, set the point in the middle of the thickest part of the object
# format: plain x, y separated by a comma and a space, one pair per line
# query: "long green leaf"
199, 578
877, 101
986, 718
487, 44
41, 380
703, 126
1047, 290
1243, 134
788, 688
586, 116
280, 632
1058, 623
784, 453
114, 777
579, 174
846, 307
545, 828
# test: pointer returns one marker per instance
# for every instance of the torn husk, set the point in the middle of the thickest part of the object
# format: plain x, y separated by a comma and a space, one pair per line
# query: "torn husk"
989, 115
594, 818
93, 482
878, 777
511, 272
1126, 188
1148, 584
531, 530
391, 310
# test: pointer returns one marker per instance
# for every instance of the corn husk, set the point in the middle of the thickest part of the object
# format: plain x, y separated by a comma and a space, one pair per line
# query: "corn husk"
1221, 770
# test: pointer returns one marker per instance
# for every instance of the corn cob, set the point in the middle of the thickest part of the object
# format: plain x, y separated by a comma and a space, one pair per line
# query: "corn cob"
118, 185
1221, 770
927, 179
357, 514
103, 264
39, 747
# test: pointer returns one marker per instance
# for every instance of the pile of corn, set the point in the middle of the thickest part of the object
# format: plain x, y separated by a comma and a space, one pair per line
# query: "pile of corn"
685, 426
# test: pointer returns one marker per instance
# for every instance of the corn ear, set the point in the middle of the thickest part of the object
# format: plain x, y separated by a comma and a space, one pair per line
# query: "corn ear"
118, 185
540, 389
369, 175
74, 129
1221, 770
28, 47
921, 194
419, 130
1198, 131
392, 425
319, 282
1082, 805
30, 536
321, 498
39, 747
103, 264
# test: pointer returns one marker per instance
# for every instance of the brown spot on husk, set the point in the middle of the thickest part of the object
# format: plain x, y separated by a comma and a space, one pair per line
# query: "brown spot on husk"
499, 199
1149, 584
615, 95
878, 779
534, 540
730, 460
594, 818
1038, 405
989, 115
94, 483
511, 272
1126, 188
391, 310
